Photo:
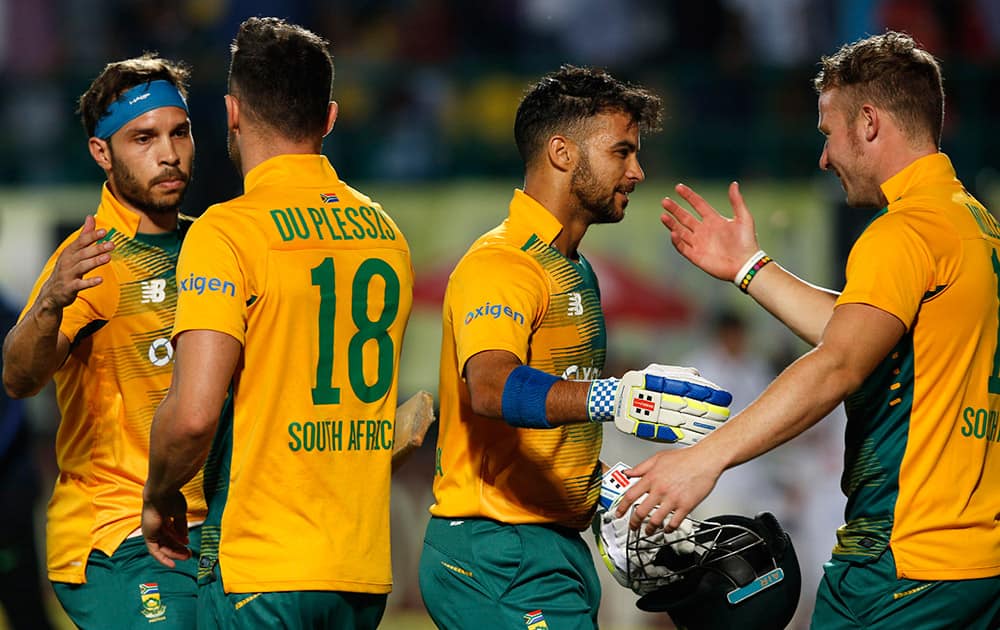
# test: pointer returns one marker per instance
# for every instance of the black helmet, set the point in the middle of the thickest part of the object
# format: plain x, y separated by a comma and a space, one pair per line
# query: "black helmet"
744, 575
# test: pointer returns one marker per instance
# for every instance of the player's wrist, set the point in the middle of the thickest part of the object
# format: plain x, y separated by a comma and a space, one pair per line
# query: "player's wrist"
155, 493
149, 497
749, 270
715, 454
601, 399
48, 307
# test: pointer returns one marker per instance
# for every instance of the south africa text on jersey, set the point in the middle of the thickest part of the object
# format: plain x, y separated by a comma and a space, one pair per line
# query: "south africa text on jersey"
340, 435
981, 424
338, 224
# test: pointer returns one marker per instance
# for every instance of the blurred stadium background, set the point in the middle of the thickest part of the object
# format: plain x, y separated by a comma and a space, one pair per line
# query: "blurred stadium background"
427, 90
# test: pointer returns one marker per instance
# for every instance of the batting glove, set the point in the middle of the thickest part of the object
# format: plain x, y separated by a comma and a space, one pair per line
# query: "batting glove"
631, 556
662, 403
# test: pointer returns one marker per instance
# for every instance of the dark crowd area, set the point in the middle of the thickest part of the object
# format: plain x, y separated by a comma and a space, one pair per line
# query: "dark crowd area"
427, 88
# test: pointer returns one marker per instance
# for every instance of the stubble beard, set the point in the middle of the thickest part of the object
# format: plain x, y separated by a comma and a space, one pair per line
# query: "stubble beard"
863, 193
591, 196
142, 197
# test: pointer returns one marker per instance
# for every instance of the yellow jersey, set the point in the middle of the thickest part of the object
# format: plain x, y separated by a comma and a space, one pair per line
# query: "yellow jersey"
922, 455
117, 372
314, 279
513, 291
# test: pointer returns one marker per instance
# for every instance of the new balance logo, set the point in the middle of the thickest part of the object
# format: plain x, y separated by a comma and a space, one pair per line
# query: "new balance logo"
154, 291
575, 304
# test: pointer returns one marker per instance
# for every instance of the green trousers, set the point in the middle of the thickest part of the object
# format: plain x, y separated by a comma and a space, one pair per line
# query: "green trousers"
478, 573
870, 596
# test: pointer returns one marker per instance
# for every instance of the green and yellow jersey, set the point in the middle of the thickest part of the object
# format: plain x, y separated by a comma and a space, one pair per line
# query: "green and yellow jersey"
315, 281
117, 372
922, 443
513, 291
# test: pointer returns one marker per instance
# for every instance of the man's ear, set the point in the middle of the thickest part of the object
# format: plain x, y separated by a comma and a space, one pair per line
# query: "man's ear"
870, 120
562, 152
100, 150
232, 112
331, 117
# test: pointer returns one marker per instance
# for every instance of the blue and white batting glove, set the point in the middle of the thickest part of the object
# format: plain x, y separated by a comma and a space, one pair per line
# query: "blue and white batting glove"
662, 403
629, 555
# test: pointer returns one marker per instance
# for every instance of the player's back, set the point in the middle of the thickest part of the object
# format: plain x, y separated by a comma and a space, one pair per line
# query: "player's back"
317, 283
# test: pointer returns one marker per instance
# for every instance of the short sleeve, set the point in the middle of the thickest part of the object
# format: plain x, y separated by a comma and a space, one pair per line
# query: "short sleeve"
213, 291
891, 267
495, 296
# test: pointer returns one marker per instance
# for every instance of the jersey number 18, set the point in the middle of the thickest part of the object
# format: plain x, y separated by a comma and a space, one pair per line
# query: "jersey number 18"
377, 330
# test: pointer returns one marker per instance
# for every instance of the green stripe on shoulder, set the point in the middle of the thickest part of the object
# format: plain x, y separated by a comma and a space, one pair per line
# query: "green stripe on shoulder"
875, 216
530, 243
107, 237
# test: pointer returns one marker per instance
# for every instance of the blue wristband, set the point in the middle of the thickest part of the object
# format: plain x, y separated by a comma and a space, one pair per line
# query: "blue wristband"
524, 395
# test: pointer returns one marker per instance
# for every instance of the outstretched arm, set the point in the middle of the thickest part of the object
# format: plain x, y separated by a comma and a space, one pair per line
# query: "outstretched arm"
660, 403
677, 480
34, 349
720, 247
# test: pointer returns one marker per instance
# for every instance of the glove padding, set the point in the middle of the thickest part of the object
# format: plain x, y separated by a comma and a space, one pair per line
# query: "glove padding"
629, 554
666, 403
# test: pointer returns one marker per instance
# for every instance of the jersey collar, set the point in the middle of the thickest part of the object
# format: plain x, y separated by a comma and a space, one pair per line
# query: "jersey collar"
113, 213
931, 170
528, 214
297, 167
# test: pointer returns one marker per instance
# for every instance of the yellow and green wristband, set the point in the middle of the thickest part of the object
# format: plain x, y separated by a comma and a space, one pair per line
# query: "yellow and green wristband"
750, 269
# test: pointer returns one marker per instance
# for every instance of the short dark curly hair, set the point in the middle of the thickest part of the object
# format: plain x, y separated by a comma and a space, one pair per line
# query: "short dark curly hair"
563, 100
891, 71
282, 75
120, 76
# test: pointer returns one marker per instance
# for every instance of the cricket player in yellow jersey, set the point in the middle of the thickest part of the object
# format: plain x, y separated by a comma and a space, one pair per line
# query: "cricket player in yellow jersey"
523, 349
910, 346
98, 323
293, 300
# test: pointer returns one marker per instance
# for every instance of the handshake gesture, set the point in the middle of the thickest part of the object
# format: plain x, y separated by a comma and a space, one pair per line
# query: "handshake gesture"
662, 403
